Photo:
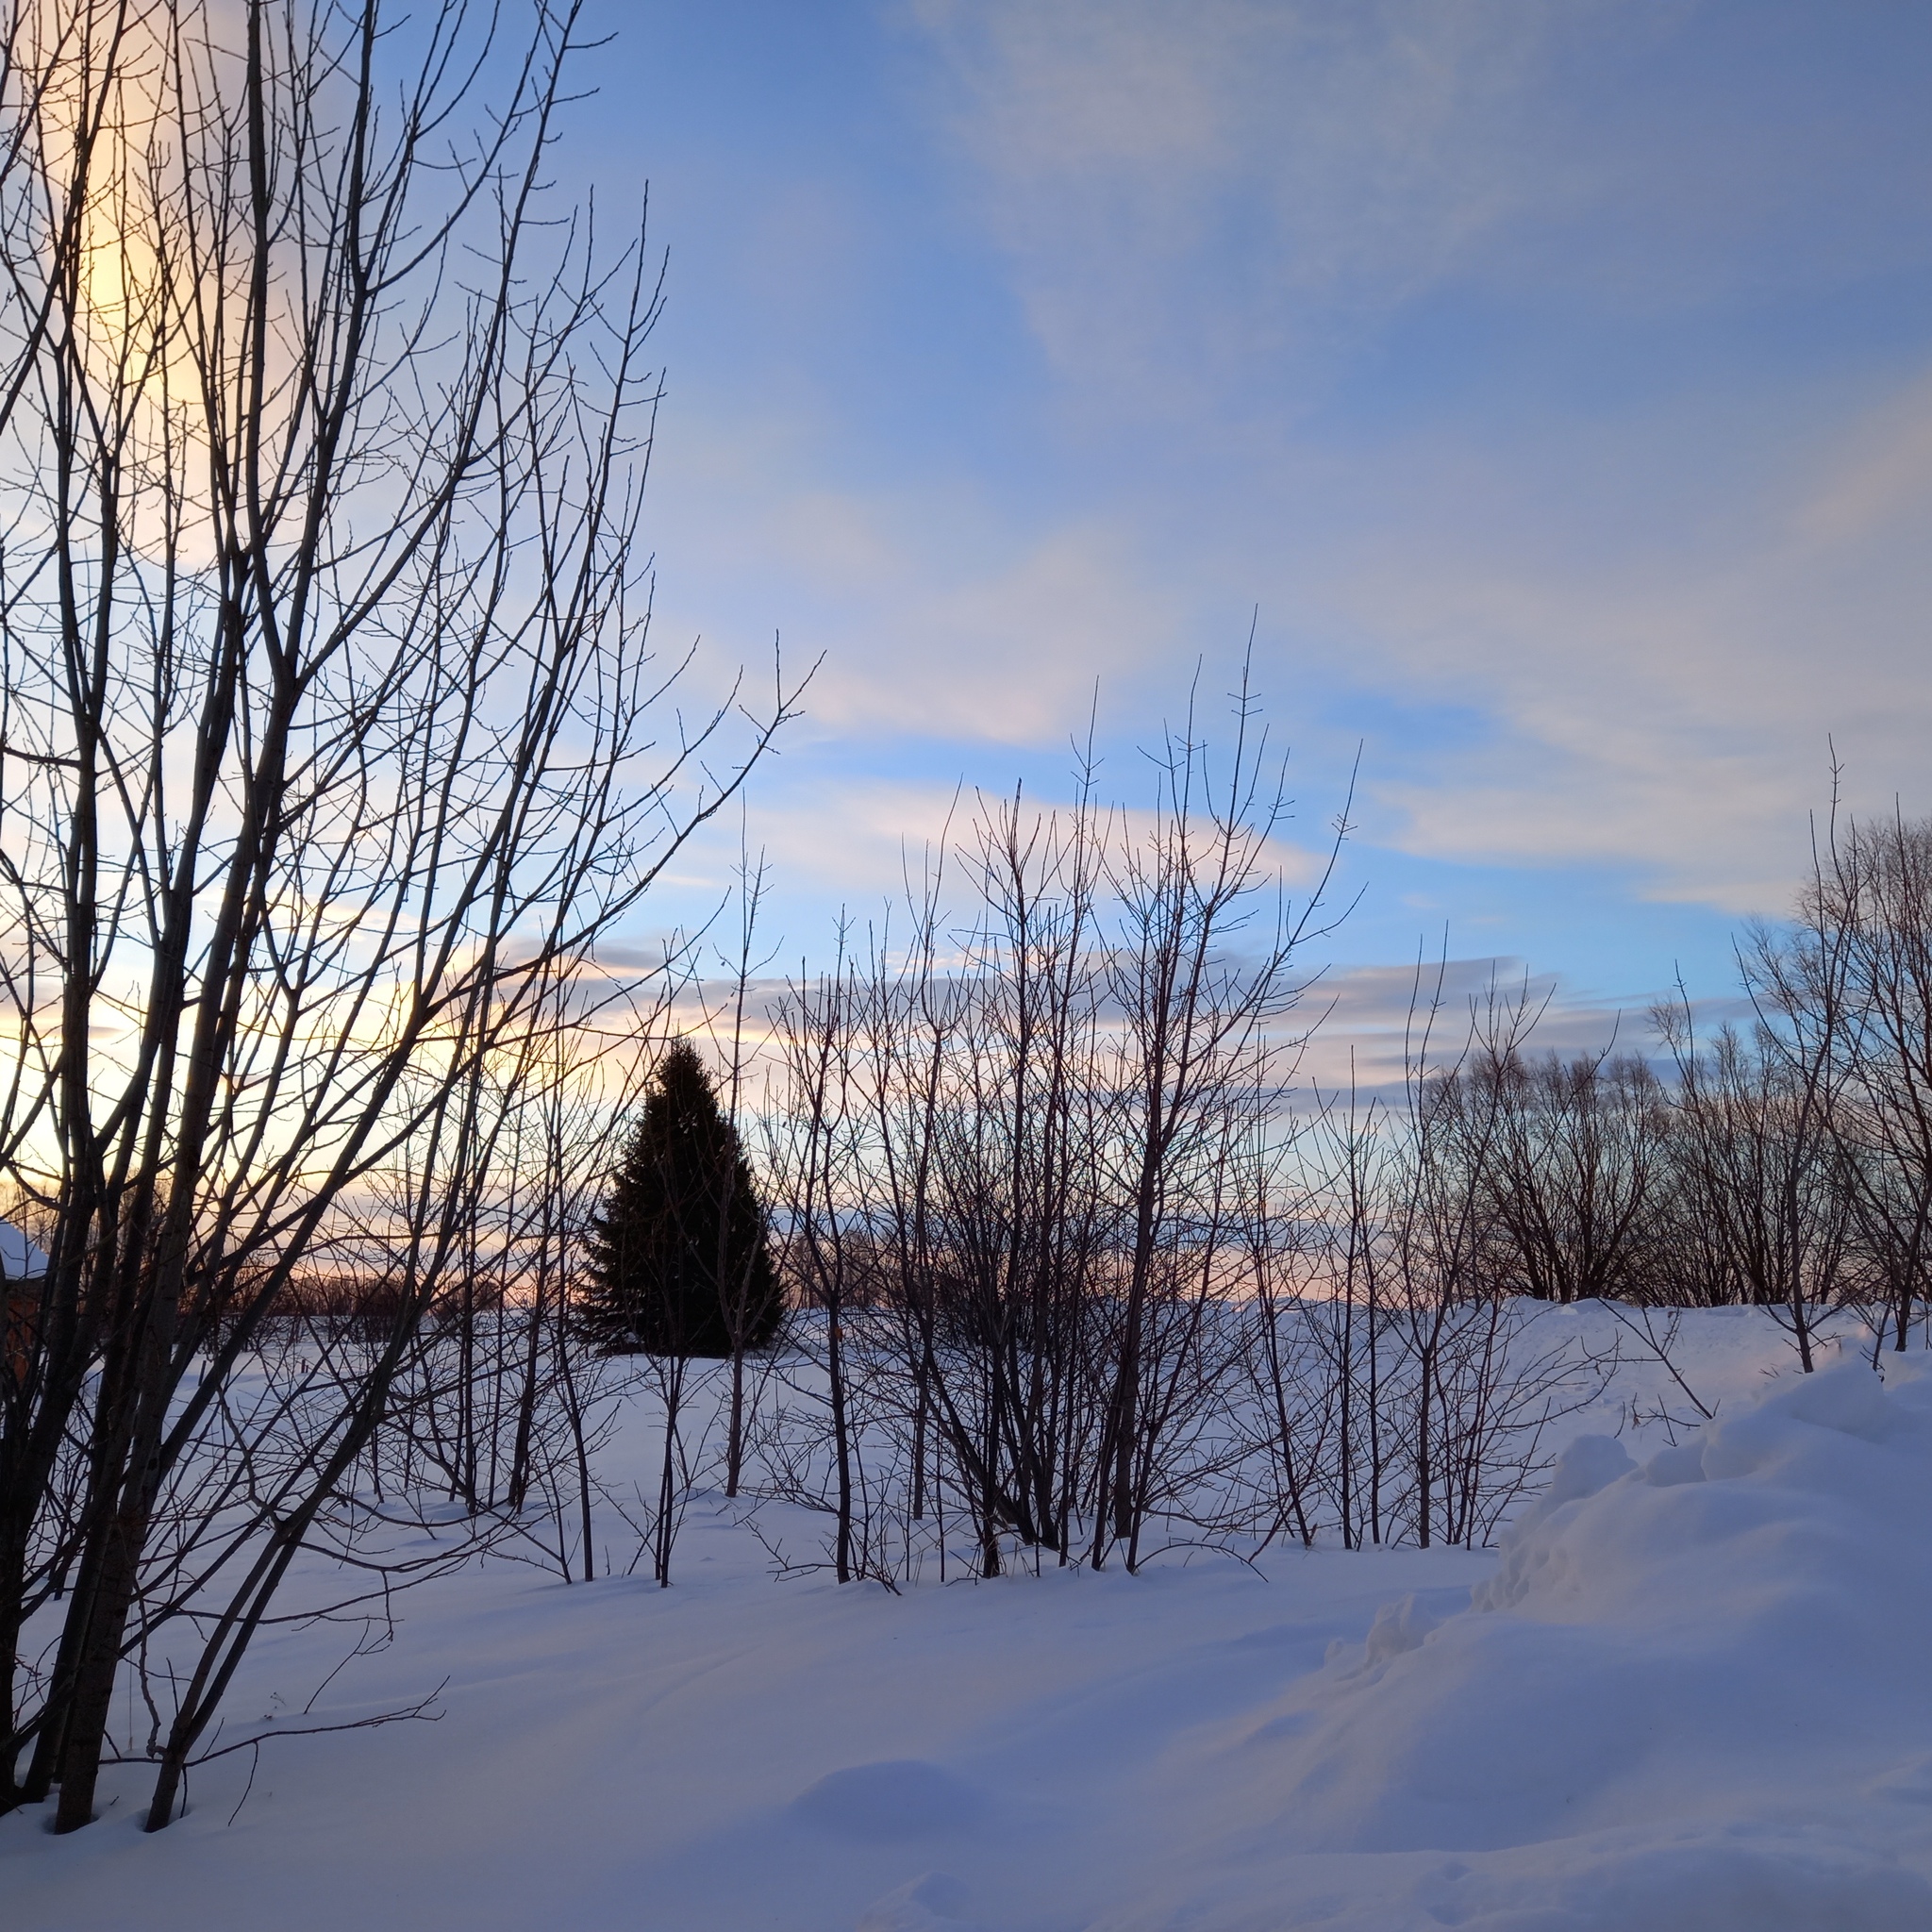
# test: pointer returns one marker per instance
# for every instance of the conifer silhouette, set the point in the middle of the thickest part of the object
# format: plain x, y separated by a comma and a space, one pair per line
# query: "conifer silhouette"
678, 1259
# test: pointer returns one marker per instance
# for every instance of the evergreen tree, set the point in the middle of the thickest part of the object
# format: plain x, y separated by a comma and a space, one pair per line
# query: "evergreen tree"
678, 1259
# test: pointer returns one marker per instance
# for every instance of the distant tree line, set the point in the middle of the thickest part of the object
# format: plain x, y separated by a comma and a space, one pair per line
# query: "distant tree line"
1784, 1162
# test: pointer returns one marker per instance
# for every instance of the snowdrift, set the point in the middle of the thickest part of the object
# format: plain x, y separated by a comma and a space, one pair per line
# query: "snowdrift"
1686, 1694
1690, 1696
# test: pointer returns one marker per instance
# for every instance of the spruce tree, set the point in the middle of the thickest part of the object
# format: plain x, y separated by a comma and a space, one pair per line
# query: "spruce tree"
679, 1264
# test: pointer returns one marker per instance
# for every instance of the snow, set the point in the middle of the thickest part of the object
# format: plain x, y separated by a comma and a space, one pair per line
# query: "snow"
1685, 1694
20, 1260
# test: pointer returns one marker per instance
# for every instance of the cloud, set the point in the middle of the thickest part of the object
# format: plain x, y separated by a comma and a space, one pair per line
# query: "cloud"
1304, 168
1309, 168
1552, 375
1490, 347
1880, 478
1660, 674
939, 612
865, 839
1379, 1023
1370, 1028
1010, 654
1650, 628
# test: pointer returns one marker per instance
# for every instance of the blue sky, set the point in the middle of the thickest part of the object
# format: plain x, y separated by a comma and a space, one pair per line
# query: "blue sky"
1554, 380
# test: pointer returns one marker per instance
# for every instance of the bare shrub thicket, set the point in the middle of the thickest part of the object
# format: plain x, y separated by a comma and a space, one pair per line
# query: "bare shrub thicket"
1088, 1280
1783, 1161
1078, 1282
1852, 981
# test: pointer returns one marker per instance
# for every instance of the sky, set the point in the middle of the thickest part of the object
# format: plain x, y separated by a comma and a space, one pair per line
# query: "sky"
1549, 387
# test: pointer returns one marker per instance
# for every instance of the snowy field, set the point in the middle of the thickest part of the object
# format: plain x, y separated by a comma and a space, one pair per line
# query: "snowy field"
1690, 1694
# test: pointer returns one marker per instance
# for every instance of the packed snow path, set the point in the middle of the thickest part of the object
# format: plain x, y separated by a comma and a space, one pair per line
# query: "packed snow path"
1688, 1695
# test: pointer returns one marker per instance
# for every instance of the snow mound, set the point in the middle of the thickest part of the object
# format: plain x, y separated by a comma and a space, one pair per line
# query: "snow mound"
1685, 1694
1721, 1887
1689, 1697
900, 1798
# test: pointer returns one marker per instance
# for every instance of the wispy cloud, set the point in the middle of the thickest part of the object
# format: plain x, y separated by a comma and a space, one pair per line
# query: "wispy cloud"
1554, 375
1470, 331
1314, 165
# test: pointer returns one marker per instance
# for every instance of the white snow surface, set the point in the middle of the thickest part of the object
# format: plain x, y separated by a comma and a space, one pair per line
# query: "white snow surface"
20, 1260
1689, 1693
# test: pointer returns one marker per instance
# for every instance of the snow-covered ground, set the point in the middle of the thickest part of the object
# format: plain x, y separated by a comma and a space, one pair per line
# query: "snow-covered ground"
1688, 1694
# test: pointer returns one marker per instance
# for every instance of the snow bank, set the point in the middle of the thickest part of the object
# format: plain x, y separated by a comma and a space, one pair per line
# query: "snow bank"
1686, 1694
1690, 1696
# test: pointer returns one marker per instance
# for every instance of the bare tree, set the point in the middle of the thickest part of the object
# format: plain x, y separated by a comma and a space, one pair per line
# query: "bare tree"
326, 712
744, 1309
1760, 1212
1202, 1029
1027, 1160
825, 1249
1567, 1160
1867, 921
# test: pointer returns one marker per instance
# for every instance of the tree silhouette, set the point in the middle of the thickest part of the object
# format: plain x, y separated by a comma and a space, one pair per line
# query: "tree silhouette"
678, 1259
